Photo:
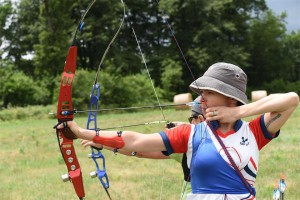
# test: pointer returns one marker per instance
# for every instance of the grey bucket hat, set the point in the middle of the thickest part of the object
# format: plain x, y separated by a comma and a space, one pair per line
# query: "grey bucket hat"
196, 109
224, 78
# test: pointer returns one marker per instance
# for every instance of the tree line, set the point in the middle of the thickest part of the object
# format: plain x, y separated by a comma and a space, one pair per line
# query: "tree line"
35, 36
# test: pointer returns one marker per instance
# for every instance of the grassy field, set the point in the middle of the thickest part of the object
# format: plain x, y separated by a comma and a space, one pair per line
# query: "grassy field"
31, 164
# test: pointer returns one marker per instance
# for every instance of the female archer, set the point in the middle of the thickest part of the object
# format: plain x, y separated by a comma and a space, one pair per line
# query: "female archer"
196, 117
222, 152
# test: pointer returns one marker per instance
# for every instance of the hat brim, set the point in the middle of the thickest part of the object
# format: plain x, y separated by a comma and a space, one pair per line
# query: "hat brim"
208, 83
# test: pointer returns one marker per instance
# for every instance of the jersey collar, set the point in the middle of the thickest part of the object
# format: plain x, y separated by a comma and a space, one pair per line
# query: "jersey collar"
236, 127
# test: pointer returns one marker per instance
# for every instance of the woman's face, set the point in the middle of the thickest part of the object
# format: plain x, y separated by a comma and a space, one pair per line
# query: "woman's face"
212, 99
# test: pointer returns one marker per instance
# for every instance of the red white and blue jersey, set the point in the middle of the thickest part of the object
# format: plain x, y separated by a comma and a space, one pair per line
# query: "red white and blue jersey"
212, 176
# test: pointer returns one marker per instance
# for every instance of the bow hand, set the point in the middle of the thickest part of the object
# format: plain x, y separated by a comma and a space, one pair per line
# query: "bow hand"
65, 130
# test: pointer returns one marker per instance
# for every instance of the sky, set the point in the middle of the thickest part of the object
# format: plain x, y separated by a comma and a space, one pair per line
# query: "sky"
291, 7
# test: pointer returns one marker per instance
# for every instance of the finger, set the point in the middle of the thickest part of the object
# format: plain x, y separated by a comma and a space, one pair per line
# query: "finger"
88, 143
63, 124
211, 118
214, 113
83, 142
58, 126
210, 112
209, 115
210, 109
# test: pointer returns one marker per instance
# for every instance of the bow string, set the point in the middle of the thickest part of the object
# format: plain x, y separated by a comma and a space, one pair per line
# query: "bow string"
168, 123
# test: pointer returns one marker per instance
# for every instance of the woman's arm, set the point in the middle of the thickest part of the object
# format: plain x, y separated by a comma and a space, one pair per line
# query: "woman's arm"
277, 109
151, 155
129, 140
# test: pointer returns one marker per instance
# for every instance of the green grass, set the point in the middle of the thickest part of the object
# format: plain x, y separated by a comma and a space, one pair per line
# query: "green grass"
31, 164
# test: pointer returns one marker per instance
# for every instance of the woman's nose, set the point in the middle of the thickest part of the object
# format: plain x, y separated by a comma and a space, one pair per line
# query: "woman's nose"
202, 100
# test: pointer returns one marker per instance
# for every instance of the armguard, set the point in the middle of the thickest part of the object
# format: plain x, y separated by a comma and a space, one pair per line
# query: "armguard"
114, 141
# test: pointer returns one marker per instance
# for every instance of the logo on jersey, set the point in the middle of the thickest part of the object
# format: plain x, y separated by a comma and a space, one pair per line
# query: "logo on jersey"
244, 141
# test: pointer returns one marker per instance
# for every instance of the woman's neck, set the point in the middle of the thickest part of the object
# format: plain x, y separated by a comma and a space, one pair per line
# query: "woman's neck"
224, 128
